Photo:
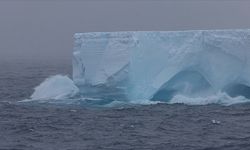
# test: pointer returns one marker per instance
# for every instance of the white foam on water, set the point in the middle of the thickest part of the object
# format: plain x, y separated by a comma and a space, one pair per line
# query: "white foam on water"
219, 98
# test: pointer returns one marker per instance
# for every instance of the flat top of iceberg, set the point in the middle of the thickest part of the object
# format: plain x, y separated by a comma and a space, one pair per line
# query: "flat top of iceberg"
174, 31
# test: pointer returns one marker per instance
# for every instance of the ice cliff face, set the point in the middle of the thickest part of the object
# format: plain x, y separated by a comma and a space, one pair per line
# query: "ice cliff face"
161, 65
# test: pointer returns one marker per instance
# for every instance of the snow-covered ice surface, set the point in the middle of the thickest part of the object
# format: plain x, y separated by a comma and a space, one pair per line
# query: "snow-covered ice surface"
193, 67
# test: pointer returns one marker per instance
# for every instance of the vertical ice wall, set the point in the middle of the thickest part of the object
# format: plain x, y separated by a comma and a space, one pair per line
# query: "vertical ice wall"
99, 56
153, 65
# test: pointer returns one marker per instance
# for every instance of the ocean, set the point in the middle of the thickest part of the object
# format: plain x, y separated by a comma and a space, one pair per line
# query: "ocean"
25, 126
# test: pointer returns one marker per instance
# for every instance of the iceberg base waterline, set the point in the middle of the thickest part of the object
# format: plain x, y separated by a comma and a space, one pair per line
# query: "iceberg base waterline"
71, 95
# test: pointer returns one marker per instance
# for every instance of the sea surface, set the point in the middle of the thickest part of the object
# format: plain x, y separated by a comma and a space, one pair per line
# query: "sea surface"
143, 127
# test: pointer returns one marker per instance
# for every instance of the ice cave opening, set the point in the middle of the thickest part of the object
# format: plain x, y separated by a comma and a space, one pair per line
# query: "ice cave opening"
187, 82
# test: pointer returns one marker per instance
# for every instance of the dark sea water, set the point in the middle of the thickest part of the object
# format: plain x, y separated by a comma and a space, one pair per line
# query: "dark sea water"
168, 127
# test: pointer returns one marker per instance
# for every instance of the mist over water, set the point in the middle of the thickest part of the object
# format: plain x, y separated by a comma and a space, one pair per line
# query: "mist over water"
43, 30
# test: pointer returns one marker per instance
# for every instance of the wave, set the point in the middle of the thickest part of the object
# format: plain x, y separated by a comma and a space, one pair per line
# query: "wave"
61, 89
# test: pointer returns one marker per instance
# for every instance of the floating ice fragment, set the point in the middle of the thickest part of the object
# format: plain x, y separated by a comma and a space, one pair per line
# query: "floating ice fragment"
216, 121
55, 87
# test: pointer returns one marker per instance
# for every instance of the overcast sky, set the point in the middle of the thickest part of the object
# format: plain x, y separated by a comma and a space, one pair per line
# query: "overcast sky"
33, 29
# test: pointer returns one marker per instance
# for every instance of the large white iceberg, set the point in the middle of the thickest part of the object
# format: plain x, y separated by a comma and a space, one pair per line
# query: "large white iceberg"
160, 65
193, 67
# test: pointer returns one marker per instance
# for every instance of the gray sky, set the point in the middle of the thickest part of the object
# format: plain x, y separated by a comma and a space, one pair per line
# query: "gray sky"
33, 29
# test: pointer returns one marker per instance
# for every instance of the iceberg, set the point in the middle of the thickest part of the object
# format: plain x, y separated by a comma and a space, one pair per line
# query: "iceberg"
199, 67
160, 65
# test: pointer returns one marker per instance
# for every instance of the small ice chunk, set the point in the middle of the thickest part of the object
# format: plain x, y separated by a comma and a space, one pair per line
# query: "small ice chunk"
55, 87
216, 121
